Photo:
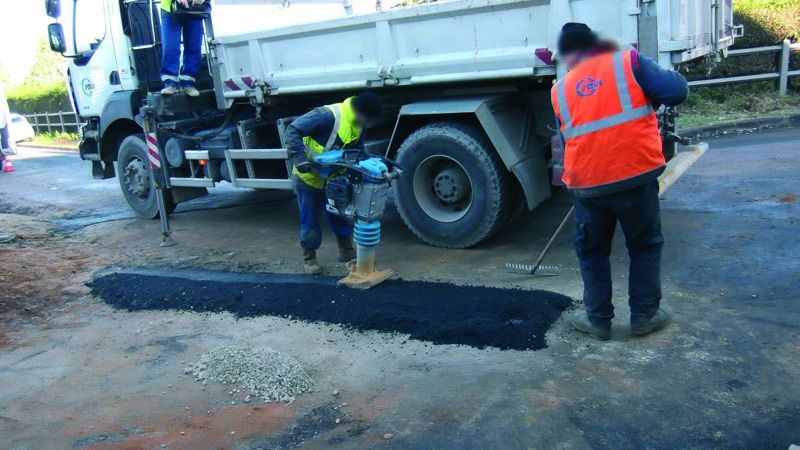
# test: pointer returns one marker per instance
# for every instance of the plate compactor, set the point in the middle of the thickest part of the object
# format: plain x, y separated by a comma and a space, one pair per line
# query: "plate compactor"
356, 189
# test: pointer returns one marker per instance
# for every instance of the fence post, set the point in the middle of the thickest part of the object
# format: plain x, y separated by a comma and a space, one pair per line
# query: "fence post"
783, 70
36, 122
61, 120
47, 120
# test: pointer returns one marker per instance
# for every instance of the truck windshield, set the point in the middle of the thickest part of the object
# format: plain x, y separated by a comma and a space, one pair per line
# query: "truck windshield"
86, 27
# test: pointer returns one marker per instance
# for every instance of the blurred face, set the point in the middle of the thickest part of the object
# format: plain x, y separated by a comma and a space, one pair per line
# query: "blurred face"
572, 59
361, 120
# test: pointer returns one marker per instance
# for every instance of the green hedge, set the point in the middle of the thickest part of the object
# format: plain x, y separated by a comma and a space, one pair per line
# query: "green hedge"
37, 99
766, 22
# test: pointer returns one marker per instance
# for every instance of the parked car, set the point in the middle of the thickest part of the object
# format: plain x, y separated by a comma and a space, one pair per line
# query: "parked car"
20, 129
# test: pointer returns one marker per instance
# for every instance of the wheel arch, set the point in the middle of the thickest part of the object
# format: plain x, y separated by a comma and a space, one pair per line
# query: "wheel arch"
118, 121
507, 122
113, 137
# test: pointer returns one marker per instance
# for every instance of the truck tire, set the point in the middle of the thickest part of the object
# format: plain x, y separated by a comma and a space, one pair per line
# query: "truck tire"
135, 178
455, 191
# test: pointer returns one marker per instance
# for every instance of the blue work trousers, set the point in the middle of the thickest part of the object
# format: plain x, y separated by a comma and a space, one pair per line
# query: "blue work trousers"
311, 203
173, 27
638, 213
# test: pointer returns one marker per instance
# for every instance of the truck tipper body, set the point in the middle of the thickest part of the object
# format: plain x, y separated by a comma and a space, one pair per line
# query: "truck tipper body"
465, 85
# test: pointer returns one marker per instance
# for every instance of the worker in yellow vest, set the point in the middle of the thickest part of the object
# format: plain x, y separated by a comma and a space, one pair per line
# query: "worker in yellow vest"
338, 126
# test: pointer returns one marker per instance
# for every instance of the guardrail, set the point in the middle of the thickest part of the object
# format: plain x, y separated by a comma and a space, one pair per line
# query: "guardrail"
46, 122
782, 75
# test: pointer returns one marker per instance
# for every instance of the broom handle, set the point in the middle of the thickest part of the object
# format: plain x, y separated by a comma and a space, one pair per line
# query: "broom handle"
553, 238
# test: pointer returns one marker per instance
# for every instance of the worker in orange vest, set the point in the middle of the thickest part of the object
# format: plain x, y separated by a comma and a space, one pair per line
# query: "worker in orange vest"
605, 106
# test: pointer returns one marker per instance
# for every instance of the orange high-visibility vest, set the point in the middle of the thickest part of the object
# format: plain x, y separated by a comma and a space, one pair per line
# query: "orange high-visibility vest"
609, 127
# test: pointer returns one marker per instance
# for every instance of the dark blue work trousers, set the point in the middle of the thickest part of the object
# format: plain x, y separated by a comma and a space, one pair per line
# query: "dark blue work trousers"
638, 213
4, 142
173, 27
311, 203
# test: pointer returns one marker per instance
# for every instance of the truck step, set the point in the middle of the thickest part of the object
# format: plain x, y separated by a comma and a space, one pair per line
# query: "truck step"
249, 180
238, 179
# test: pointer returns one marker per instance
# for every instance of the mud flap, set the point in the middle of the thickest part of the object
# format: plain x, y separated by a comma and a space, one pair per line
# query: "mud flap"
102, 171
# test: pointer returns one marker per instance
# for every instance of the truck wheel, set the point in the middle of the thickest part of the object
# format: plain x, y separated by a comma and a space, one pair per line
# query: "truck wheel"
455, 190
135, 178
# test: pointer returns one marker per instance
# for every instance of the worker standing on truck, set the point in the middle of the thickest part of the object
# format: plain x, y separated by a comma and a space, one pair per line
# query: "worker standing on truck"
605, 106
179, 18
337, 126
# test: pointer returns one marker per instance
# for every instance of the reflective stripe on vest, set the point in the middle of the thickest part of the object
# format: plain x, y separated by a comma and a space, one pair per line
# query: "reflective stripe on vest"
337, 120
628, 113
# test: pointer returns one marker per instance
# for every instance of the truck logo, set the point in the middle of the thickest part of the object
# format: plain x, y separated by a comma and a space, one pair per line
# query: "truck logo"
87, 87
587, 86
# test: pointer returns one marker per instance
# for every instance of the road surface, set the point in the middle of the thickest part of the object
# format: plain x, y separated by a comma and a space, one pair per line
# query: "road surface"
721, 376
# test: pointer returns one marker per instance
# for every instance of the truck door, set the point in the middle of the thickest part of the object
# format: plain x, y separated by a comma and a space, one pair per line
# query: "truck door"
93, 72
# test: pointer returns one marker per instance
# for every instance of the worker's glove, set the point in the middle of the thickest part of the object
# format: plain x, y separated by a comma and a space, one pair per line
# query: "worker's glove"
303, 167
198, 2
184, 3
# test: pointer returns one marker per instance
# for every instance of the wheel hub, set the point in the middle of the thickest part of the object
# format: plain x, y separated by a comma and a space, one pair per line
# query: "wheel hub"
450, 185
137, 180
443, 188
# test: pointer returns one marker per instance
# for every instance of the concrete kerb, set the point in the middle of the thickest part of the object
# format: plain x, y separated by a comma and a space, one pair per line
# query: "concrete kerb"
740, 126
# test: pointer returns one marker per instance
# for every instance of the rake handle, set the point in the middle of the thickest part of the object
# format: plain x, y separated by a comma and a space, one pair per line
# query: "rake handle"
553, 239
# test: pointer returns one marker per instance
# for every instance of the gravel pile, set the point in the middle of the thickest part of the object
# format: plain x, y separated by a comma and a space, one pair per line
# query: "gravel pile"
257, 372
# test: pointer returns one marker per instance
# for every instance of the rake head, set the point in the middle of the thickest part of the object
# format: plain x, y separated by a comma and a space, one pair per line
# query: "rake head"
532, 269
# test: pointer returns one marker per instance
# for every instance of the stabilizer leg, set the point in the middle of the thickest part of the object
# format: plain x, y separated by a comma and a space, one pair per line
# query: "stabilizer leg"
166, 233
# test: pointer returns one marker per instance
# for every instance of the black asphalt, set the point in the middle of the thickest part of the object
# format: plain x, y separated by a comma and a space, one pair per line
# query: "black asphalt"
440, 313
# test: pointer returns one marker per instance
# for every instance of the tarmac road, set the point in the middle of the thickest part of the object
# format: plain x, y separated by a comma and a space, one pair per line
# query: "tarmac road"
722, 376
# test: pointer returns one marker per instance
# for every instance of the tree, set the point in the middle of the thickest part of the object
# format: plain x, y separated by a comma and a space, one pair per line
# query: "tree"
48, 67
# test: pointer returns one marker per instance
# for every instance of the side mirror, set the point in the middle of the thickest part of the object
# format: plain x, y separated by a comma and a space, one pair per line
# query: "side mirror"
53, 8
55, 35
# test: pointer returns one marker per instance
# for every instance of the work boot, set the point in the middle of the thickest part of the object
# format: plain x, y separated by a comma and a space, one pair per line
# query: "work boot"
170, 89
191, 91
346, 250
310, 262
580, 321
658, 321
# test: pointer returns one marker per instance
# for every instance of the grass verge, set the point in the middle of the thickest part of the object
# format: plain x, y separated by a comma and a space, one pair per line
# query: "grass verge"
56, 139
722, 104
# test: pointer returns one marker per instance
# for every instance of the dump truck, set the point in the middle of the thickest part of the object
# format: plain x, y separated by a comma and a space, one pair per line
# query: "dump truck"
465, 85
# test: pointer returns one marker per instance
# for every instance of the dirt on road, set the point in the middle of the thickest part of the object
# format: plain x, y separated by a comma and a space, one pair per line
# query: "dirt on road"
79, 371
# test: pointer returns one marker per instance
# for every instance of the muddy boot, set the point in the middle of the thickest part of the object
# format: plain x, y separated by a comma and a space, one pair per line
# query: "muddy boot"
346, 250
580, 321
310, 262
658, 321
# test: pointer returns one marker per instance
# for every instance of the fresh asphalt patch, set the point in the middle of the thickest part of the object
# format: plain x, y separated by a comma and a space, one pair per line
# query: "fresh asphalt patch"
440, 313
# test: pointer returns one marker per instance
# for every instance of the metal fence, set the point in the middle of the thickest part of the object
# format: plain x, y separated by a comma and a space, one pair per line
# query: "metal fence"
55, 121
782, 75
